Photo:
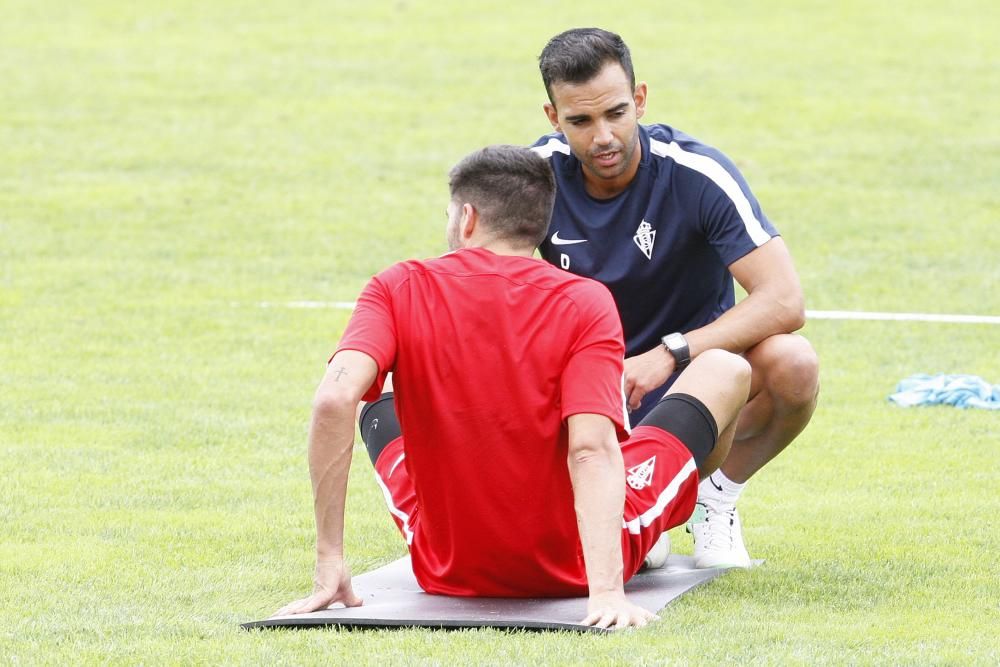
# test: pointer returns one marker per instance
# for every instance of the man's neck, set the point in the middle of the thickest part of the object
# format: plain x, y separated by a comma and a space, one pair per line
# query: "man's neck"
502, 248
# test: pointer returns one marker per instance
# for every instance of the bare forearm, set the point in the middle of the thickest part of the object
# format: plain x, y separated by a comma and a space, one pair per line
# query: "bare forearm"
331, 440
774, 303
760, 315
599, 491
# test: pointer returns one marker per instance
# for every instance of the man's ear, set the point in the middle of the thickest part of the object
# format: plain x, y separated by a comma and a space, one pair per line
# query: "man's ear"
552, 115
640, 99
469, 221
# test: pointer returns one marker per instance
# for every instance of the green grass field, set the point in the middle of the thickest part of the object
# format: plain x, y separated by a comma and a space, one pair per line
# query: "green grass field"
166, 168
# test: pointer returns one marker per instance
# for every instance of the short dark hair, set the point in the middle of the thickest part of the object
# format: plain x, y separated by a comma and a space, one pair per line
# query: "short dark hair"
577, 55
511, 187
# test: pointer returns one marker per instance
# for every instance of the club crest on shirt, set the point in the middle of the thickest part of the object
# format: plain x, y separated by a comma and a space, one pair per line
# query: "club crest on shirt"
644, 237
640, 476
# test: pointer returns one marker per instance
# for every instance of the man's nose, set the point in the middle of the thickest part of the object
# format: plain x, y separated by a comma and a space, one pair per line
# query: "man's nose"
602, 133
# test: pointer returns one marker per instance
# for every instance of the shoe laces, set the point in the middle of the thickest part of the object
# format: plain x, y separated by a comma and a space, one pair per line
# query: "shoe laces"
719, 526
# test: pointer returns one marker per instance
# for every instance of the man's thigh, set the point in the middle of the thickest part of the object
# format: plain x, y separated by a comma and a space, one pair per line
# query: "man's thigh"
661, 475
397, 487
381, 434
689, 420
378, 424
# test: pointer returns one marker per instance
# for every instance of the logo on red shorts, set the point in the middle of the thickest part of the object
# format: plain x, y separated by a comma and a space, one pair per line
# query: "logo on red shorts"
641, 476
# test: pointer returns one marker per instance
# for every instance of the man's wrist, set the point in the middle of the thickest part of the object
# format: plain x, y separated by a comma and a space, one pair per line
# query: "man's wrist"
677, 346
327, 559
606, 597
327, 553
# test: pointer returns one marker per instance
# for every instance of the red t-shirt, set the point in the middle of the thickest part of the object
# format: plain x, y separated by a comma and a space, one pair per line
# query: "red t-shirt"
490, 354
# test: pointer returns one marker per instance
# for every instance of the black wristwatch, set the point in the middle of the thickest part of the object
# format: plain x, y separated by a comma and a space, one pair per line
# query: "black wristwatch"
678, 347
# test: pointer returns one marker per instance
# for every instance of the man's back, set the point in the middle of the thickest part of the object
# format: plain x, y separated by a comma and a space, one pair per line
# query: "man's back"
501, 463
489, 355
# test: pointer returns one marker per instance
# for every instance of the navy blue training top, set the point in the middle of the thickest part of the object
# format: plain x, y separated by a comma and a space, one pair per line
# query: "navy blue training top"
664, 244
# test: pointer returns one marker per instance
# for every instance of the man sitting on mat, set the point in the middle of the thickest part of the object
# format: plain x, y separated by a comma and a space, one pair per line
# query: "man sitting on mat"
511, 480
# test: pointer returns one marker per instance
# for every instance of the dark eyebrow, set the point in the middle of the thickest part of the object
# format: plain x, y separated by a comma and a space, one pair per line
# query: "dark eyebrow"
582, 116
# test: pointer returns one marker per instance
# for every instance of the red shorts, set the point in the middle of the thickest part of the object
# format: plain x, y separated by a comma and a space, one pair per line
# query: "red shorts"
661, 486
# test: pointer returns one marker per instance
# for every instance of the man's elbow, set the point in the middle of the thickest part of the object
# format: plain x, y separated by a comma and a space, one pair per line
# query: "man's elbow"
592, 450
329, 402
792, 311
796, 317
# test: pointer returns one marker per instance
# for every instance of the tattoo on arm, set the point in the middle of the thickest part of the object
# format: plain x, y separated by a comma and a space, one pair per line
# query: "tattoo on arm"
340, 371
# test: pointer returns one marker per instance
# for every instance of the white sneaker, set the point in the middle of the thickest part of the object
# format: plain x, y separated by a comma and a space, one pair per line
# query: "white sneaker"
657, 556
718, 536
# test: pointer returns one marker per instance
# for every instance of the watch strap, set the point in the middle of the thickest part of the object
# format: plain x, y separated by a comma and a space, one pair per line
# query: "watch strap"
677, 345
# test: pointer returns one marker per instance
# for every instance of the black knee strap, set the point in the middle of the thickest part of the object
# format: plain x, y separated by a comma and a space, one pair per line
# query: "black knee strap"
378, 425
689, 420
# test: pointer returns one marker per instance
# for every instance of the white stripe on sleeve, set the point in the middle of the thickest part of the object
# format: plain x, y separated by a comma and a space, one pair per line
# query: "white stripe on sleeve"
718, 174
552, 146
625, 421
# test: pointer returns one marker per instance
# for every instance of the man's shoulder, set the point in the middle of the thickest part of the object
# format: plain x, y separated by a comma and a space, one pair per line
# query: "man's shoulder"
452, 260
669, 143
552, 145
585, 293
395, 273
536, 272
399, 274
543, 275
588, 295
480, 261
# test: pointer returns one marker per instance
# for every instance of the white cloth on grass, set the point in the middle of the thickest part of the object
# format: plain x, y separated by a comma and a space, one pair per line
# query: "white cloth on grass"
961, 391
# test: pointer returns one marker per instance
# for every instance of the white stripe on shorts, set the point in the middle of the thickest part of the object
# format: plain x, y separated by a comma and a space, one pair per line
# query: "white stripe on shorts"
395, 511
665, 498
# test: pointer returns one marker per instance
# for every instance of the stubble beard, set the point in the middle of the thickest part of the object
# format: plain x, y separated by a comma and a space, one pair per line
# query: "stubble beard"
628, 156
451, 235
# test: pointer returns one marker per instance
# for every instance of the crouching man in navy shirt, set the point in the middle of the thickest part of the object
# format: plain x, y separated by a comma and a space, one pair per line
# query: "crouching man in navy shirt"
666, 223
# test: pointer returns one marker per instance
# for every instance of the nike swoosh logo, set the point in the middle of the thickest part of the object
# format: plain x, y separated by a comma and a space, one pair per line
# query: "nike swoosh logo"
558, 241
713, 483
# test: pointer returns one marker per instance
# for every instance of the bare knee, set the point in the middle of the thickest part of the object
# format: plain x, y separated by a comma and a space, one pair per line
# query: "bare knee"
722, 364
788, 370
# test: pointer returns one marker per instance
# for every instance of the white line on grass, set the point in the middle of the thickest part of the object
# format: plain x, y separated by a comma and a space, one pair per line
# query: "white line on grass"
901, 317
810, 314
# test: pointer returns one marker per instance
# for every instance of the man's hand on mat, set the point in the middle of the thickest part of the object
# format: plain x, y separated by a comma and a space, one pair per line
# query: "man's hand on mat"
332, 584
612, 610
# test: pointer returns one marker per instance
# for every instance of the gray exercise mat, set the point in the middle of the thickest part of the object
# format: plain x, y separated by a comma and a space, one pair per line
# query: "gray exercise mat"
393, 599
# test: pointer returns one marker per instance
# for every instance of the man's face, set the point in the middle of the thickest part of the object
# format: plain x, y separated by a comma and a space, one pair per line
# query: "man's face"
600, 119
454, 213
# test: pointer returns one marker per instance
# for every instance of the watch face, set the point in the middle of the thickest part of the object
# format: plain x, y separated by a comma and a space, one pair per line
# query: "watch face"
674, 341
